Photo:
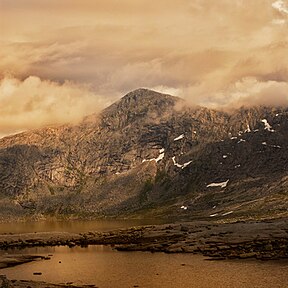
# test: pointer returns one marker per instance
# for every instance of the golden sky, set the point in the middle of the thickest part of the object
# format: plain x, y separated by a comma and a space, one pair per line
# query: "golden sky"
60, 60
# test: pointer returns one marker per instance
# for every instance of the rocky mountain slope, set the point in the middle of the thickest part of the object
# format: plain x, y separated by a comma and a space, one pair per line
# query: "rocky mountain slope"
150, 154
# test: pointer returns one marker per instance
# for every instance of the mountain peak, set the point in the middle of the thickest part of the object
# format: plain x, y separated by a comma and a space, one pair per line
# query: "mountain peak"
138, 105
146, 94
140, 153
141, 90
142, 100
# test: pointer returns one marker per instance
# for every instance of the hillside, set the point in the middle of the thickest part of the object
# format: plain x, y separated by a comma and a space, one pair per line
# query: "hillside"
148, 155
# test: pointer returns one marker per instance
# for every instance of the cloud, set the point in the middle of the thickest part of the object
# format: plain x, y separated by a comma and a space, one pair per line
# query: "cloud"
281, 6
250, 92
212, 53
245, 92
33, 103
278, 21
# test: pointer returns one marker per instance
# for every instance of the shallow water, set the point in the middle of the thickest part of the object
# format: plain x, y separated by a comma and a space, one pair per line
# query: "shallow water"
75, 226
104, 267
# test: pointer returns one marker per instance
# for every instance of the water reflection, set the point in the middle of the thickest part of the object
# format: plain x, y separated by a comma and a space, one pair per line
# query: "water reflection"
104, 267
72, 225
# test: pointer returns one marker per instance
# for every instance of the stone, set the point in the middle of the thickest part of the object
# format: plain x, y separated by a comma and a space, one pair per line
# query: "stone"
4, 282
247, 255
184, 228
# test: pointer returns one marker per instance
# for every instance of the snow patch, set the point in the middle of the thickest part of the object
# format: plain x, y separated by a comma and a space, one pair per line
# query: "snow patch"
224, 156
160, 157
233, 138
267, 127
241, 140
175, 163
213, 215
227, 213
179, 137
237, 166
186, 164
248, 130
221, 184
182, 166
184, 207
274, 146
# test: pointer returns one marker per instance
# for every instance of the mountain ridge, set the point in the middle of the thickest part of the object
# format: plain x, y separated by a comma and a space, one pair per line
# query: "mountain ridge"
144, 156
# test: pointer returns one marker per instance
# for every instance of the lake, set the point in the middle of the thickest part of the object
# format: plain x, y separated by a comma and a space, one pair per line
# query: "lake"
74, 226
106, 268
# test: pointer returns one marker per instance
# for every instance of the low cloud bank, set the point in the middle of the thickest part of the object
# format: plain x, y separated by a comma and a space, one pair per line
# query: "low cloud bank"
246, 92
33, 103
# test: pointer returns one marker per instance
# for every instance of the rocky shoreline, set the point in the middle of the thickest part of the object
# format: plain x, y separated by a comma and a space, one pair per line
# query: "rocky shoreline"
263, 240
6, 283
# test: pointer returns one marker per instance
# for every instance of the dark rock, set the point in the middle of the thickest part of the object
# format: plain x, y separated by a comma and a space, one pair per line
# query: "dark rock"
4, 282
184, 228
48, 169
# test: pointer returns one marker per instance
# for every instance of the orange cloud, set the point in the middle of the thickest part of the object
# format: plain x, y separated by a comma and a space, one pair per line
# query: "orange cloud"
208, 52
33, 103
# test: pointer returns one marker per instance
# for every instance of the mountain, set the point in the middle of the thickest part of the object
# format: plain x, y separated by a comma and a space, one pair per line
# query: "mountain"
150, 155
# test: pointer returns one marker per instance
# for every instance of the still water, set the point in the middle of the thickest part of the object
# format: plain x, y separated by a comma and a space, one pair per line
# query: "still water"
106, 268
73, 226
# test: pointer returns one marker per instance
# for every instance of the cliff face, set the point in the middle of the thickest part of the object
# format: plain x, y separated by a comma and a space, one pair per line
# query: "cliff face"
150, 153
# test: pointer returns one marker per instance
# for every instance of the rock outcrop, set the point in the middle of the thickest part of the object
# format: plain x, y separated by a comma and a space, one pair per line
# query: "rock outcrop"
150, 154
